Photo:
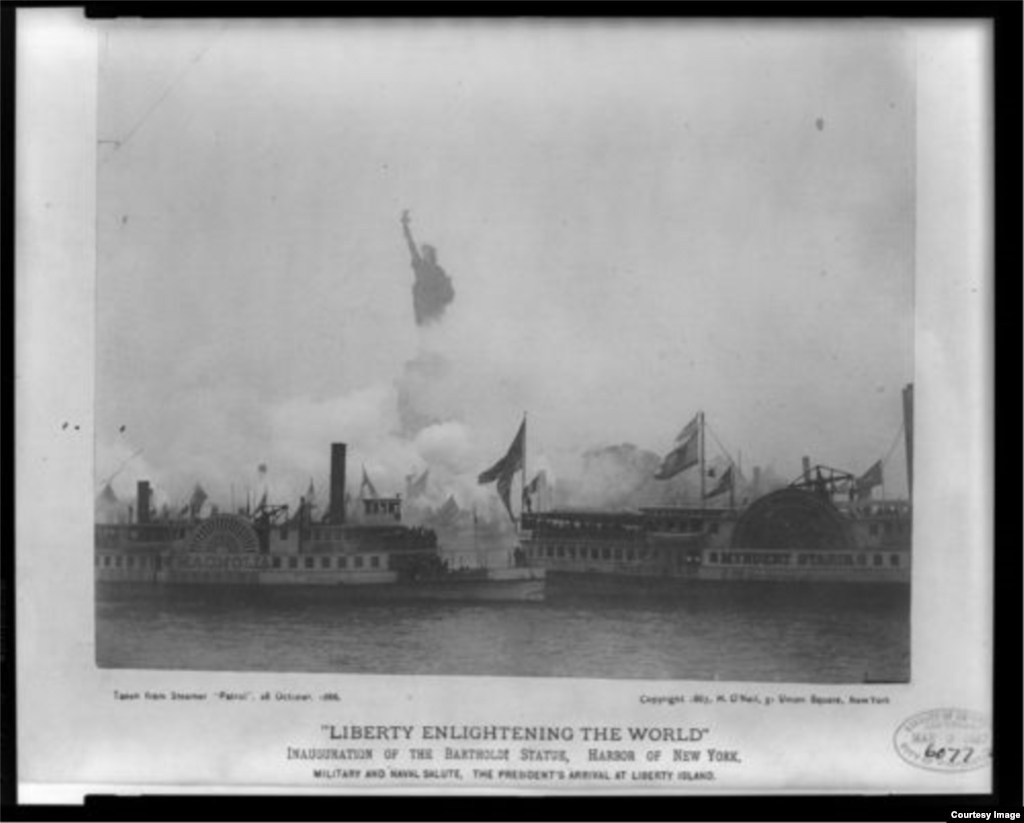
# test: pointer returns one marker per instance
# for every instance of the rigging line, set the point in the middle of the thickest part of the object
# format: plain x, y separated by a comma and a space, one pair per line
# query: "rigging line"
719, 442
120, 144
123, 464
895, 443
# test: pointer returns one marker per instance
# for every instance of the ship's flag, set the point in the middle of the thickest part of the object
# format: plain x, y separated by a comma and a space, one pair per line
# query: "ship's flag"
867, 481
184, 510
198, 498
367, 491
684, 455
724, 483
505, 469
689, 430
416, 486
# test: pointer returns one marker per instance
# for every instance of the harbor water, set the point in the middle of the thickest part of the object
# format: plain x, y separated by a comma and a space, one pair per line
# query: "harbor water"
742, 632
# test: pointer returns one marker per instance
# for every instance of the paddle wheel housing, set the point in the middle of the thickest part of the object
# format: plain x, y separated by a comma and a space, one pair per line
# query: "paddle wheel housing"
224, 534
792, 519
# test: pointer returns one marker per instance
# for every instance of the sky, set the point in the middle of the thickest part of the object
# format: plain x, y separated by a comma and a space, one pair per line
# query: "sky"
640, 220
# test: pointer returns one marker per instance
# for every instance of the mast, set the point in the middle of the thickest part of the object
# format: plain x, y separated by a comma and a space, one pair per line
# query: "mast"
908, 433
522, 499
702, 504
735, 476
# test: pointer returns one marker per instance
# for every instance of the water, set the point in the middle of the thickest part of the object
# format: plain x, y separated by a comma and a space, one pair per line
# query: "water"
764, 632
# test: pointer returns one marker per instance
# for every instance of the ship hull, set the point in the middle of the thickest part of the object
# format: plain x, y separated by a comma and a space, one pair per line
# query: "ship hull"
495, 585
565, 580
788, 567
563, 585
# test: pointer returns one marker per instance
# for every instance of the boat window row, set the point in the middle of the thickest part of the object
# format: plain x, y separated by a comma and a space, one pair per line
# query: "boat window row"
572, 529
571, 552
802, 559
889, 527
335, 561
331, 538
883, 510
121, 561
373, 561
685, 526
117, 535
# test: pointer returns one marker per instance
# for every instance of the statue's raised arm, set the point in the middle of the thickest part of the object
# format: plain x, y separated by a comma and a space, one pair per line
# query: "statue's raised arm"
408, 236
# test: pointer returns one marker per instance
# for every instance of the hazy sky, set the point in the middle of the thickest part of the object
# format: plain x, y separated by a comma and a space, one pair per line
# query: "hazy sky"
640, 221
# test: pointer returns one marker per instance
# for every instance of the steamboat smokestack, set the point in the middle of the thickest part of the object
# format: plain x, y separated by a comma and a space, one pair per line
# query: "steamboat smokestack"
337, 510
143, 495
807, 467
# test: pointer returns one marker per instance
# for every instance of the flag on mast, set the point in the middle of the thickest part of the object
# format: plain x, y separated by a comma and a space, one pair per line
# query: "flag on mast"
724, 484
685, 454
867, 481
504, 470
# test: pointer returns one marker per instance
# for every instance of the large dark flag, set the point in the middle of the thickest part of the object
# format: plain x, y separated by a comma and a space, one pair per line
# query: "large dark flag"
505, 469
685, 454
867, 481
689, 430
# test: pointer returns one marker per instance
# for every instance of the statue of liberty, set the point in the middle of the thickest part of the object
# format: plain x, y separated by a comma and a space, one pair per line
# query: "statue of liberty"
432, 290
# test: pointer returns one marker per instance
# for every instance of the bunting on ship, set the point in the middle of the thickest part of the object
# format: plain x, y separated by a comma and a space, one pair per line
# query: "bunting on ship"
685, 454
505, 469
